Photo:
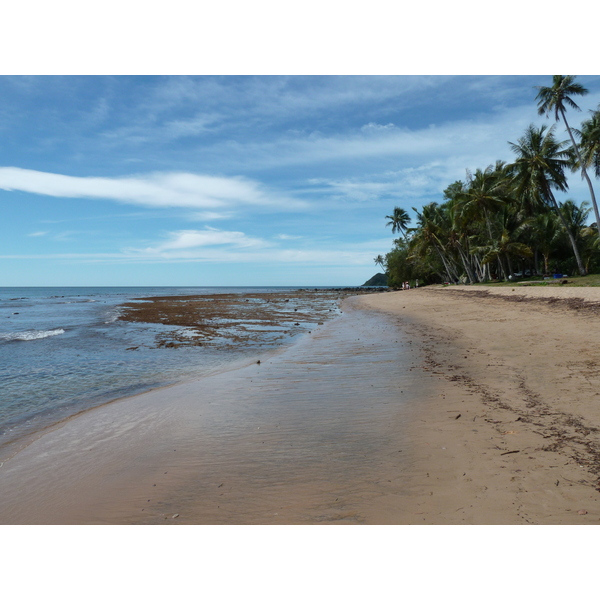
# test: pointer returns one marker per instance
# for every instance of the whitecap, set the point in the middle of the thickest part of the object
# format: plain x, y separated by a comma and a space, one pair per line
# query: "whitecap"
32, 334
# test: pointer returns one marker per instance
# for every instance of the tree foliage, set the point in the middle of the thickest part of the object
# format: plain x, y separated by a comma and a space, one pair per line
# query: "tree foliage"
504, 220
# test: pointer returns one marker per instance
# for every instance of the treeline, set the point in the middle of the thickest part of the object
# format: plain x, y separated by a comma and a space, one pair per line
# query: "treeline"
504, 219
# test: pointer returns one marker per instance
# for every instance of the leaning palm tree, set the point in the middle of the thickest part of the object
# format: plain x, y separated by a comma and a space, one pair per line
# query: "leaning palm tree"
485, 193
428, 238
399, 221
539, 169
575, 216
553, 100
503, 248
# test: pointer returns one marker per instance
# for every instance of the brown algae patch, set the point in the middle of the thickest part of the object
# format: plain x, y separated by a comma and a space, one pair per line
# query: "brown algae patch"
239, 319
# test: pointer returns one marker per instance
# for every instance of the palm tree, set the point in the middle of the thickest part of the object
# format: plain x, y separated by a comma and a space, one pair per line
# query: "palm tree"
399, 221
591, 245
485, 193
380, 261
590, 141
575, 216
428, 238
504, 247
540, 168
553, 100
545, 233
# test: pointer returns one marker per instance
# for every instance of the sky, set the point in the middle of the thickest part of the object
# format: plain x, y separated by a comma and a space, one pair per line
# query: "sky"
239, 180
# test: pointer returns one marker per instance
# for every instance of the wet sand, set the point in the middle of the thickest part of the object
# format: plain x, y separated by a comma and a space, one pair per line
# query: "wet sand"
437, 405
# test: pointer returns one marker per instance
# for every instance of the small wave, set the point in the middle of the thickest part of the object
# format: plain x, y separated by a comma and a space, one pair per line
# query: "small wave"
112, 315
26, 336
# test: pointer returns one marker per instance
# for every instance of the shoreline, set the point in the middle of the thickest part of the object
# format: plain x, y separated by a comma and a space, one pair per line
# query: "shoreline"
290, 440
232, 327
452, 406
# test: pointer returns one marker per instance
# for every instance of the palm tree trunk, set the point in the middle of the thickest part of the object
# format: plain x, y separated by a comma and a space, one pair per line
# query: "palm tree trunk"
505, 269
583, 170
478, 269
510, 267
466, 265
502, 270
580, 266
443, 259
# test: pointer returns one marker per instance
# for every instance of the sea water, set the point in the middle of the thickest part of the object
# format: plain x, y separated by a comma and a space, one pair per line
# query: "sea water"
64, 350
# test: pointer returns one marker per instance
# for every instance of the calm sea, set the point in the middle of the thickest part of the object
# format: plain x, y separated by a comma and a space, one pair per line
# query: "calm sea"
63, 350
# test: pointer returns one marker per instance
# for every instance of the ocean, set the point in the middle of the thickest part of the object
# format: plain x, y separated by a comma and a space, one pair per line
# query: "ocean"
64, 351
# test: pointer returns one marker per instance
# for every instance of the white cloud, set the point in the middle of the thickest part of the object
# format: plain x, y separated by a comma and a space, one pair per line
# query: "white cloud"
147, 131
232, 247
37, 234
188, 127
192, 238
369, 127
478, 141
285, 236
208, 215
409, 183
157, 190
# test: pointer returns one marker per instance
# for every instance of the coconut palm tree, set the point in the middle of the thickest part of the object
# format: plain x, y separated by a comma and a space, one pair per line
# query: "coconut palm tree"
591, 246
545, 233
503, 248
428, 238
575, 216
480, 206
485, 193
539, 169
399, 221
589, 144
553, 100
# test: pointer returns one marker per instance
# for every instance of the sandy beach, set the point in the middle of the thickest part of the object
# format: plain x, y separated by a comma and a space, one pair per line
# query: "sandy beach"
430, 406
513, 434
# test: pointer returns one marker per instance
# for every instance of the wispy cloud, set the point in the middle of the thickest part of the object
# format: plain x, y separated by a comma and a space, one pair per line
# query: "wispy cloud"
409, 183
476, 138
207, 215
37, 234
192, 238
234, 247
285, 236
157, 190
231, 247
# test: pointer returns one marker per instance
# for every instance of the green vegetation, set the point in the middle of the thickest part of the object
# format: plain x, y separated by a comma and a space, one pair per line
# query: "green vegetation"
378, 280
503, 222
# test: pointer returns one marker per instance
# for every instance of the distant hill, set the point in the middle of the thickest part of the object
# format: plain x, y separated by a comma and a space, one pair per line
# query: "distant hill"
380, 279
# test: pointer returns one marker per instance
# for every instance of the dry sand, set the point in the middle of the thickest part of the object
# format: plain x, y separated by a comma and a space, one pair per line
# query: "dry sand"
514, 437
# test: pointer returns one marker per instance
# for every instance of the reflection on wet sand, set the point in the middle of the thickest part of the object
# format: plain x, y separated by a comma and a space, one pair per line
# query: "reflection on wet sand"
311, 435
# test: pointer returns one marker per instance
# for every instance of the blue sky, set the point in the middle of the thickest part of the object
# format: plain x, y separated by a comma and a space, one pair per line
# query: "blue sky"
238, 180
